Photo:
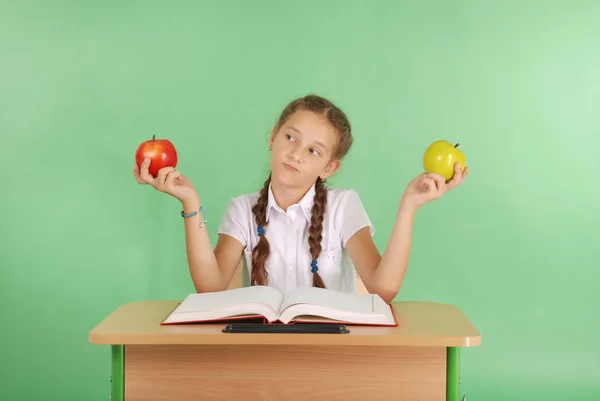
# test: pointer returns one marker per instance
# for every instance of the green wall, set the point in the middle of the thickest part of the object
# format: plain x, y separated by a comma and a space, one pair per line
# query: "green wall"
516, 83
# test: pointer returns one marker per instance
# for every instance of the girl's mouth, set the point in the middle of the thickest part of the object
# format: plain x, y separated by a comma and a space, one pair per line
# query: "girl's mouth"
289, 167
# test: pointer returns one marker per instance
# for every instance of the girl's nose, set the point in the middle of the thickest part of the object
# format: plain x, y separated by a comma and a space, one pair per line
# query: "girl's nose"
295, 155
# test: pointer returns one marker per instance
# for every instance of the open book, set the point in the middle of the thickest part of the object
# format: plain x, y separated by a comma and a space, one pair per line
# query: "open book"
312, 304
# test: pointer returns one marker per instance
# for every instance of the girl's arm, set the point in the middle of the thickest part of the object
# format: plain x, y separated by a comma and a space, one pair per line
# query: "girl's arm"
384, 275
211, 270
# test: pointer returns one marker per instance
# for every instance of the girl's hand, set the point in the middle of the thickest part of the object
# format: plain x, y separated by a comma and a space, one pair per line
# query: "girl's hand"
169, 181
430, 186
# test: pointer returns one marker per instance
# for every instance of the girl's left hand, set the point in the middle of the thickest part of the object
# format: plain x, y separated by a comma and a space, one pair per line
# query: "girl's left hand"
430, 186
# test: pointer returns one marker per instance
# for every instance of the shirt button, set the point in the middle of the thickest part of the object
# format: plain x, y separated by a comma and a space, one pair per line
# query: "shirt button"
292, 266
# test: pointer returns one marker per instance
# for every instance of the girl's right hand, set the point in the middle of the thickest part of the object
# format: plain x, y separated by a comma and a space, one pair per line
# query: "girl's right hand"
169, 181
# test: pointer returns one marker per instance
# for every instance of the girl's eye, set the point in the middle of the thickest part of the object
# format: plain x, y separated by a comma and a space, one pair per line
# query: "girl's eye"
289, 137
315, 152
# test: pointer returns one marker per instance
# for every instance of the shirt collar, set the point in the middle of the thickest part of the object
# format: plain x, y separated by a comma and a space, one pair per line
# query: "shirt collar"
306, 203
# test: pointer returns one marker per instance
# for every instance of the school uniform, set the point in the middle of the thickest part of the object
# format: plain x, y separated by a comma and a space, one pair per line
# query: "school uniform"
289, 264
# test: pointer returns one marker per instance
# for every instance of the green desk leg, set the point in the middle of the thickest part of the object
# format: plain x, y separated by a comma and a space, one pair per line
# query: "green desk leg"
117, 378
452, 374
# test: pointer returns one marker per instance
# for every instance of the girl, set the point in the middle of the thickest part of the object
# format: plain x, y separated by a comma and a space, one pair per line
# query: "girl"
295, 231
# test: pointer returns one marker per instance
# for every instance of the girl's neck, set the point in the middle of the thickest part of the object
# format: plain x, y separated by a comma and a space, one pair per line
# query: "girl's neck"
286, 196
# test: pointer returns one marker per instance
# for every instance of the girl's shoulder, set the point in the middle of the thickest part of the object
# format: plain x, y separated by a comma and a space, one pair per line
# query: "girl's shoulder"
243, 204
344, 207
343, 202
334, 196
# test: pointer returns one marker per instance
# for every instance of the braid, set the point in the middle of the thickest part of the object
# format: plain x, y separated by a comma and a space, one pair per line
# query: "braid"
316, 227
261, 251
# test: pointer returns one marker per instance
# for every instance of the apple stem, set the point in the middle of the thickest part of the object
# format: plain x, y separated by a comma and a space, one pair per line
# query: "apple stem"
456, 146
153, 138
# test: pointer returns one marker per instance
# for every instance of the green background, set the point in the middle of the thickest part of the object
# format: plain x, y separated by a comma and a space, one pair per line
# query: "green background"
516, 83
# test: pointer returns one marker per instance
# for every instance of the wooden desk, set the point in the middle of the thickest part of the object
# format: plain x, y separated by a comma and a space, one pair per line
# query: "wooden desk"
419, 360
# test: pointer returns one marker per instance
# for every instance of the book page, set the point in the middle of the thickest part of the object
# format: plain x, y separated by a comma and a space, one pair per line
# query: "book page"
252, 300
319, 304
346, 301
237, 296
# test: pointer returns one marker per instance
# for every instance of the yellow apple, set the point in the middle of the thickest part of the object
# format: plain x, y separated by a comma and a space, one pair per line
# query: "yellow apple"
440, 158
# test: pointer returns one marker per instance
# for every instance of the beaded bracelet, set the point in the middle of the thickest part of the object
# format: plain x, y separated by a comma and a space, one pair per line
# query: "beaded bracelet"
192, 214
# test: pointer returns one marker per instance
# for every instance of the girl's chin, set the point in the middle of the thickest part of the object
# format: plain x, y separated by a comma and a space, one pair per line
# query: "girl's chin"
289, 178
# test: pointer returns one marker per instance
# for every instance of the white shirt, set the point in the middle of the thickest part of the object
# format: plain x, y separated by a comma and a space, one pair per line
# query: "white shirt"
289, 264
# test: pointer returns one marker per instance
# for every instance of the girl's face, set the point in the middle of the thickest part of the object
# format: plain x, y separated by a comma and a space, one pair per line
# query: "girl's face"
302, 150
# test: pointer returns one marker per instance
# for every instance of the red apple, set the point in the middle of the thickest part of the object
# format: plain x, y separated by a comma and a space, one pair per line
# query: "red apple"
161, 152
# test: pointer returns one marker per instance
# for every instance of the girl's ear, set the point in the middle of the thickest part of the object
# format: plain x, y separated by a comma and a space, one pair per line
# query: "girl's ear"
331, 168
273, 134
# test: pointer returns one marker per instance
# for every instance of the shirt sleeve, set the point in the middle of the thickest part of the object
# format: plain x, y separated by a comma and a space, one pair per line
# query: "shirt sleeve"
234, 222
351, 216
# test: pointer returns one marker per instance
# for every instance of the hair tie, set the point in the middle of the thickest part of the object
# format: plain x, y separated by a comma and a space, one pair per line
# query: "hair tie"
314, 266
261, 231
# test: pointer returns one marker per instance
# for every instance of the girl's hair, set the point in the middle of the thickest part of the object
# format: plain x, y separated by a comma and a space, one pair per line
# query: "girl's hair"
340, 122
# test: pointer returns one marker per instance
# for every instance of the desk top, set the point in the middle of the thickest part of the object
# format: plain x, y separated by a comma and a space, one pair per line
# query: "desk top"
419, 324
